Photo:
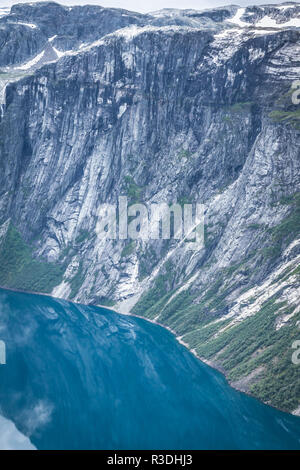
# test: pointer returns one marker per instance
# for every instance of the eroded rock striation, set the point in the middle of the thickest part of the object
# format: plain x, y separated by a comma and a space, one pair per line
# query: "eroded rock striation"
176, 105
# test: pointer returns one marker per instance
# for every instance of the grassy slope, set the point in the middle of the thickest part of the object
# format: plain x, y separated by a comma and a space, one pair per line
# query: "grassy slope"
253, 343
239, 350
20, 270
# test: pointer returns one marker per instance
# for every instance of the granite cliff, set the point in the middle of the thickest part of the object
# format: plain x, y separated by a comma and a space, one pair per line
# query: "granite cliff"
175, 105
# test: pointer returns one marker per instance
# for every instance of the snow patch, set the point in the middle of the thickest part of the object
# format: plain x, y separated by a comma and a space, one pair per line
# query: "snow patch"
4, 11
122, 110
250, 302
31, 62
59, 53
236, 19
255, 54
64, 53
285, 7
291, 247
28, 25
267, 22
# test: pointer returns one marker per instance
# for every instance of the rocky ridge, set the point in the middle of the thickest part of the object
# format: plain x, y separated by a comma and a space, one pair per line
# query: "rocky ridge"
176, 105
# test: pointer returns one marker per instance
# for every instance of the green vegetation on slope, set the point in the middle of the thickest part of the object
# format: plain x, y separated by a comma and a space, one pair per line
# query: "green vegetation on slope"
286, 231
286, 112
288, 117
255, 342
128, 249
19, 269
252, 345
77, 281
133, 191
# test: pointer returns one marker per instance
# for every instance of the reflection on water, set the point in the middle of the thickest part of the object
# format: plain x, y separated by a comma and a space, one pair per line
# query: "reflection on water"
80, 377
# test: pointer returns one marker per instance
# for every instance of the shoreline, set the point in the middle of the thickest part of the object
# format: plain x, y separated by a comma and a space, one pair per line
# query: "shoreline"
209, 363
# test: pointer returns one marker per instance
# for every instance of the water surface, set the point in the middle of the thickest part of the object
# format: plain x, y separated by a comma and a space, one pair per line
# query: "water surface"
80, 377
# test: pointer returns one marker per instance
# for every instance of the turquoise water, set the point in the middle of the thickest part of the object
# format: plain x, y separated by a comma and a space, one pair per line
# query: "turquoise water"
81, 377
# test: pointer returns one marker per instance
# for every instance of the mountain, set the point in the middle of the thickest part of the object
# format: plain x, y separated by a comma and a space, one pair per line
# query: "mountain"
176, 105
136, 387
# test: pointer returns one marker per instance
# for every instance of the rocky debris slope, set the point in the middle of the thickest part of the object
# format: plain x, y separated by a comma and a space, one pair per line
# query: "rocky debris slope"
171, 106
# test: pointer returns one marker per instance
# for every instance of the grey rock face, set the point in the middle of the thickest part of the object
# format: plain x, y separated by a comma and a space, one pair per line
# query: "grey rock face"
171, 106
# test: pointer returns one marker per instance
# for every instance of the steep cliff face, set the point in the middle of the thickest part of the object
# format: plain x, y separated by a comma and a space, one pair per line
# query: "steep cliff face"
174, 106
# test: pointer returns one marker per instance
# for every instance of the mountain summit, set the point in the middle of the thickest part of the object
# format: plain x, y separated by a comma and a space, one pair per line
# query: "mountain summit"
172, 106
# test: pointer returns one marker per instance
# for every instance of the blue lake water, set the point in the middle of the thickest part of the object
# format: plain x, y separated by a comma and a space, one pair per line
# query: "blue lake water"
80, 377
